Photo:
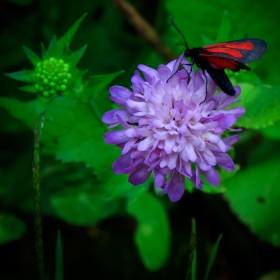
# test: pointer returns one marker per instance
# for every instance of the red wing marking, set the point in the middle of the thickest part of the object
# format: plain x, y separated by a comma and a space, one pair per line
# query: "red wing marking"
247, 45
222, 63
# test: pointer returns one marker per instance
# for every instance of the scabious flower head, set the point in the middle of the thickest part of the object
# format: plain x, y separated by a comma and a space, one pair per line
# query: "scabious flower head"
167, 129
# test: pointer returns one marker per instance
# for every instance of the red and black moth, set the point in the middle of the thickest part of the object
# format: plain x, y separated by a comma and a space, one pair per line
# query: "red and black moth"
228, 55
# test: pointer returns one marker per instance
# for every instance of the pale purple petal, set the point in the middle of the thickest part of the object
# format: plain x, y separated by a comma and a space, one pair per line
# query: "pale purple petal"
119, 95
110, 116
116, 137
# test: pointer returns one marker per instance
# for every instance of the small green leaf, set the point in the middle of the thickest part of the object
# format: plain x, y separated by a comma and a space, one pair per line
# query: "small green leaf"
75, 57
43, 103
206, 40
65, 41
152, 236
253, 194
24, 111
59, 259
43, 52
53, 49
11, 228
22, 76
28, 88
224, 30
262, 104
100, 82
32, 56
212, 257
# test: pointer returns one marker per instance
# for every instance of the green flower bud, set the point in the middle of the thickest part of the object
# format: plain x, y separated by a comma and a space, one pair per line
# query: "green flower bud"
51, 76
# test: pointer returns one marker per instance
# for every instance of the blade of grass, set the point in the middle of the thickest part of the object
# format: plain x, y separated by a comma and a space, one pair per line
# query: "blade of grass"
58, 260
212, 257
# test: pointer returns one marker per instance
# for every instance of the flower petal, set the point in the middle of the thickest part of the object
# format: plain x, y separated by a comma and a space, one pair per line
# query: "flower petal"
139, 176
119, 95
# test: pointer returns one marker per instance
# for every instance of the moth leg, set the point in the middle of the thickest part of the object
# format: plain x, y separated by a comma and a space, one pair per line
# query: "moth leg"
203, 72
189, 73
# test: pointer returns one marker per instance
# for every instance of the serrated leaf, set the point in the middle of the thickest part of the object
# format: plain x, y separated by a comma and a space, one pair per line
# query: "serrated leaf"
22, 76
74, 133
254, 195
75, 57
11, 228
24, 111
224, 30
34, 58
64, 42
262, 104
152, 236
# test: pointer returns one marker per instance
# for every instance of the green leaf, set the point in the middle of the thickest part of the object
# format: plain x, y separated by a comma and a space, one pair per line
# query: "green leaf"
254, 196
11, 228
224, 30
65, 41
152, 236
212, 257
24, 111
73, 132
83, 205
75, 57
59, 259
262, 104
100, 82
22, 76
53, 50
43, 103
272, 131
32, 56
28, 88
43, 51
117, 186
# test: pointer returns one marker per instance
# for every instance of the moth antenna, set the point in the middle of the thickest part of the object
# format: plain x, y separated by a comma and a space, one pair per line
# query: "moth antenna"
179, 31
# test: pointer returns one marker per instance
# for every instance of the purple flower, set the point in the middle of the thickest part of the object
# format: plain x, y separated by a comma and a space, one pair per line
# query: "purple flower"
168, 129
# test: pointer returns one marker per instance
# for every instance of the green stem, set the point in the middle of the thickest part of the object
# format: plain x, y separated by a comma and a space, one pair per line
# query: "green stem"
36, 185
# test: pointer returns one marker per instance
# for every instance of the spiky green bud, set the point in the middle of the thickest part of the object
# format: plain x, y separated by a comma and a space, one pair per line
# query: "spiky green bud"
51, 76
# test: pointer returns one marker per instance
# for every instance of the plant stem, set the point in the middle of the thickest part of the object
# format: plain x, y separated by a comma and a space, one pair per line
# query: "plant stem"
36, 185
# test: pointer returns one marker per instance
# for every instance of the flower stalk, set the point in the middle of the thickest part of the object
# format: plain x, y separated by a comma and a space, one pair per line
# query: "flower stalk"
37, 189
